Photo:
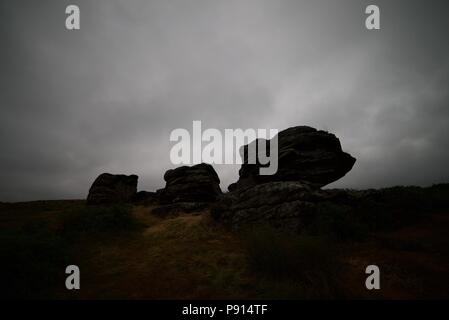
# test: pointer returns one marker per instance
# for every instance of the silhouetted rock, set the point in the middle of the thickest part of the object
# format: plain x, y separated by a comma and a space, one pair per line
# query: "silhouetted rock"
112, 188
304, 154
199, 183
297, 206
287, 205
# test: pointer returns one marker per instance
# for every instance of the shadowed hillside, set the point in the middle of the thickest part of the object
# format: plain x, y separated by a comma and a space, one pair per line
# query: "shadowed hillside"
126, 252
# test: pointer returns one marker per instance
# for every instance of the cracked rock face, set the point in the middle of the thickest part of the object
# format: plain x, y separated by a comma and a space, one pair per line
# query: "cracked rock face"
305, 154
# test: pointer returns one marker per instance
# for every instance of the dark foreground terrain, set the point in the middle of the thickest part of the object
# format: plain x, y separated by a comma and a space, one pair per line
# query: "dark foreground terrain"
128, 252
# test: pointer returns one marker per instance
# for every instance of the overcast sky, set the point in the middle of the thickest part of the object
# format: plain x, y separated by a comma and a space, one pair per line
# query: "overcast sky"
74, 104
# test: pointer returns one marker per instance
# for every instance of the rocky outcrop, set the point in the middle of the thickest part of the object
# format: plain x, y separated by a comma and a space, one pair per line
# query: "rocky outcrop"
112, 188
308, 159
288, 205
198, 183
296, 206
305, 154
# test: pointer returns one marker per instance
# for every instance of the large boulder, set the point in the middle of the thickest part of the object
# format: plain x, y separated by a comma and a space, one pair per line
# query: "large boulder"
305, 154
286, 205
112, 188
199, 183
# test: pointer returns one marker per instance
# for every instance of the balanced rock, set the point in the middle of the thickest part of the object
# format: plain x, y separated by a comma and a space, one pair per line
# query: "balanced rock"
305, 154
112, 188
198, 183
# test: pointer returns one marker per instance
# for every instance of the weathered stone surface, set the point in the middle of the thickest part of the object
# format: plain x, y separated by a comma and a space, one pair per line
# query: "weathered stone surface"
112, 188
287, 205
199, 183
296, 206
304, 154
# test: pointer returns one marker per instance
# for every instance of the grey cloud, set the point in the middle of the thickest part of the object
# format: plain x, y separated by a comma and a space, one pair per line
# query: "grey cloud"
105, 98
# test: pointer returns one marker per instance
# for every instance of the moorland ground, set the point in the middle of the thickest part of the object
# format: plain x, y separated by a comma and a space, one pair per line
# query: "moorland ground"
126, 252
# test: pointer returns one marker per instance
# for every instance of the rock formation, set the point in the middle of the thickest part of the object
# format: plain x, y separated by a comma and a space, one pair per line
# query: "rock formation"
305, 154
198, 183
307, 160
286, 205
112, 188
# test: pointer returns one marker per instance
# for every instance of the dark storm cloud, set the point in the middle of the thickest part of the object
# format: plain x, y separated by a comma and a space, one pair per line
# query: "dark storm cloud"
105, 98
